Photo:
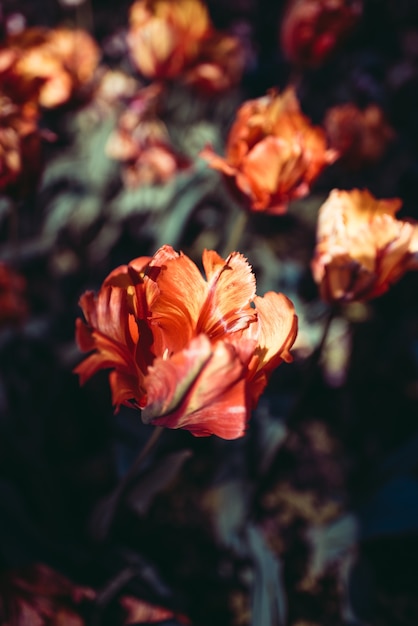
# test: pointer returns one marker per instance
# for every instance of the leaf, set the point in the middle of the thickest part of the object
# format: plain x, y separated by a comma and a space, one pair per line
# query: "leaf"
154, 481
268, 600
330, 542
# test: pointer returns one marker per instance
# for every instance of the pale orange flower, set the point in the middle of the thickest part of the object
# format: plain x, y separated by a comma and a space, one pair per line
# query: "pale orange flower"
19, 143
191, 353
164, 35
361, 247
273, 153
361, 137
310, 30
58, 64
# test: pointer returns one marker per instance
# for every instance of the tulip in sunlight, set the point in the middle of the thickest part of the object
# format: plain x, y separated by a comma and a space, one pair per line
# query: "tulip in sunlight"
164, 35
56, 64
273, 153
191, 352
361, 247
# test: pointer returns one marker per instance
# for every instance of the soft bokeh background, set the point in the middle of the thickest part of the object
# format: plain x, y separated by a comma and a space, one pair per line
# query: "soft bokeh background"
312, 517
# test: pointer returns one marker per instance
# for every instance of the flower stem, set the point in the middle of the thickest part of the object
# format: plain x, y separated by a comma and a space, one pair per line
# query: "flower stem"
104, 513
298, 409
236, 233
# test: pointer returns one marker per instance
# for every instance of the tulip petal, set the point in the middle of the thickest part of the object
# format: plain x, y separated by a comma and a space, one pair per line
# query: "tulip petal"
278, 326
206, 388
231, 288
175, 311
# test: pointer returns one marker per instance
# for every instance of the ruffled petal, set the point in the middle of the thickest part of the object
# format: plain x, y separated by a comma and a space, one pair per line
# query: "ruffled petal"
175, 310
201, 389
231, 288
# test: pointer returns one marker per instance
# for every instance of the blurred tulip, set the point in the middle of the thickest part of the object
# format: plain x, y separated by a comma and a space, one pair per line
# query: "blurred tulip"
141, 142
164, 35
310, 30
19, 143
155, 165
361, 247
191, 353
57, 64
219, 65
39, 596
359, 136
273, 154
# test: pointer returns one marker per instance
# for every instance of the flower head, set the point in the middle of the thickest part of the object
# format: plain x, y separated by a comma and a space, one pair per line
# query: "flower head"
273, 153
311, 29
19, 143
141, 142
191, 352
218, 66
51, 65
165, 35
359, 136
361, 247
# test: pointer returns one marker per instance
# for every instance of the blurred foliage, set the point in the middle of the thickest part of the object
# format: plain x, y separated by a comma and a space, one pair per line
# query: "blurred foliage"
312, 517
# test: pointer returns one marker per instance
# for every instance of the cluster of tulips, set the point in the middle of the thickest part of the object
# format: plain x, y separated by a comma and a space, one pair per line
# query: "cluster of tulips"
191, 349
194, 352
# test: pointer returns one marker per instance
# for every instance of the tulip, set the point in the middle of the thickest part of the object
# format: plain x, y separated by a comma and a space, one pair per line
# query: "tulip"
141, 142
359, 136
19, 144
361, 247
273, 154
311, 30
164, 35
55, 64
219, 65
191, 352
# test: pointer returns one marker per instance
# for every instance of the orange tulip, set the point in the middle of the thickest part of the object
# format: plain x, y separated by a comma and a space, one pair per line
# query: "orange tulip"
191, 353
19, 144
361, 247
164, 35
273, 154
56, 64
359, 136
310, 30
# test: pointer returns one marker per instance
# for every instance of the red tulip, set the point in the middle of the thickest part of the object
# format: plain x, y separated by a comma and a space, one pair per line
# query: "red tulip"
359, 136
312, 29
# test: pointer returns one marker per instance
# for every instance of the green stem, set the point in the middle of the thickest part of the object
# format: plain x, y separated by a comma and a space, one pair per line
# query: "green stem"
236, 233
104, 514
298, 409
